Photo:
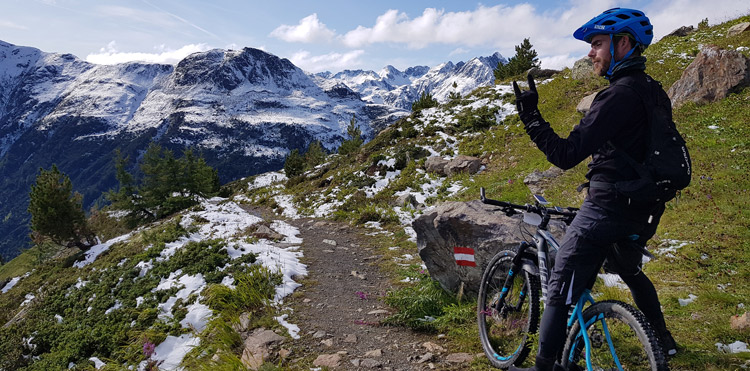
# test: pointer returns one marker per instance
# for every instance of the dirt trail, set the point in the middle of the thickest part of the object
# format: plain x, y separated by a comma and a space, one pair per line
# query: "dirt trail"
340, 305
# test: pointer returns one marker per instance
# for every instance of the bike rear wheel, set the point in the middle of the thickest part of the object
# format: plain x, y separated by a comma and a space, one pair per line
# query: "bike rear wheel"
506, 322
634, 344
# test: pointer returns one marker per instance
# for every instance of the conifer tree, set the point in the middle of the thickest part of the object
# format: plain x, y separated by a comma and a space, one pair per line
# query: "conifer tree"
315, 154
294, 164
525, 58
425, 100
355, 140
57, 212
167, 185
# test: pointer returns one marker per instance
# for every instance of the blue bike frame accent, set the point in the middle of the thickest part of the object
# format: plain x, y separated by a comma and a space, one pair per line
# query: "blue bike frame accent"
577, 315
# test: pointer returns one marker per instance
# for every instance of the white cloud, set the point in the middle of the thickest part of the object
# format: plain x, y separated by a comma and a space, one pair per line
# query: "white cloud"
110, 54
9, 24
458, 51
309, 30
327, 62
558, 62
668, 16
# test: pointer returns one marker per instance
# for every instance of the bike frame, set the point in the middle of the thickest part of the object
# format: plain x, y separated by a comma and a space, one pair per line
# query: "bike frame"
543, 242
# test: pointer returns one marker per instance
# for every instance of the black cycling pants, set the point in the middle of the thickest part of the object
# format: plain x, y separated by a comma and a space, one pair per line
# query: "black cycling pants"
588, 242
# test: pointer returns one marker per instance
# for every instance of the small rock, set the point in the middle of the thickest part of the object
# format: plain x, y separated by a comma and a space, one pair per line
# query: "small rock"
351, 339
374, 353
459, 358
432, 347
740, 322
355, 362
327, 360
378, 311
319, 334
284, 353
358, 275
330, 242
370, 363
327, 342
425, 358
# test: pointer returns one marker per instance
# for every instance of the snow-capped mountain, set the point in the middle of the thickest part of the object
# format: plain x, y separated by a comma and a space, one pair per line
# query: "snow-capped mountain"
244, 110
400, 89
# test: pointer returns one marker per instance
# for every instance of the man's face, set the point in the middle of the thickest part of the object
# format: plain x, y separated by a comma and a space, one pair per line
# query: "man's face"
600, 54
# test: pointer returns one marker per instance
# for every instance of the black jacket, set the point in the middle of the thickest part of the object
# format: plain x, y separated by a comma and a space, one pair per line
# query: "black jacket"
617, 116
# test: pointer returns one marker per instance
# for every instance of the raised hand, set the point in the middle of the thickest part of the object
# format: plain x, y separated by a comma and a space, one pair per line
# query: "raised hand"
527, 102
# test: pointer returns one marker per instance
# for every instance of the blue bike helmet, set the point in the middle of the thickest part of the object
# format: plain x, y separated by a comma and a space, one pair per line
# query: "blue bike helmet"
615, 21
618, 21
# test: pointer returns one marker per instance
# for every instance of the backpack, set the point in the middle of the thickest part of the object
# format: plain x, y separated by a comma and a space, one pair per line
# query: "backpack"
667, 167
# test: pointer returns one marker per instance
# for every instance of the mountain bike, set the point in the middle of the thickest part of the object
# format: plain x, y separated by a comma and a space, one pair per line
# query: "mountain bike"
606, 335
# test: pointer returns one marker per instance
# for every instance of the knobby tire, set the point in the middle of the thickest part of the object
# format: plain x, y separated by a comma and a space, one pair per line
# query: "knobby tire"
504, 332
636, 344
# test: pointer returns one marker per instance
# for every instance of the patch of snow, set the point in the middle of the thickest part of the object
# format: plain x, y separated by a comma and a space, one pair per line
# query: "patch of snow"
117, 306
683, 302
58, 318
291, 328
12, 283
197, 316
97, 250
266, 179
286, 203
28, 299
144, 267
668, 247
173, 349
97, 362
290, 233
191, 284
734, 348
613, 280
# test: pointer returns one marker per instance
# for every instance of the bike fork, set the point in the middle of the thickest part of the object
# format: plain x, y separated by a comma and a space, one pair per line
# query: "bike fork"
515, 268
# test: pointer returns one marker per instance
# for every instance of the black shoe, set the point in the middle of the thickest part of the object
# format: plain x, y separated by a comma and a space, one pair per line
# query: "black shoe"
668, 343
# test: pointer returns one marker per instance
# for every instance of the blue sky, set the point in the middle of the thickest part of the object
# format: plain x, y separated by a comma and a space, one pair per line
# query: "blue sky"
329, 35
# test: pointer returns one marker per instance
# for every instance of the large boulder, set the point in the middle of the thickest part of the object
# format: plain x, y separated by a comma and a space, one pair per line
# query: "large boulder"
713, 75
435, 164
466, 224
582, 69
738, 29
463, 164
682, 31
584, 106
541, 73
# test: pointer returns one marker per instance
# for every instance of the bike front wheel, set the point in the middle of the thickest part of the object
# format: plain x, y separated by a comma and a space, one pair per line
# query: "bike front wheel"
621, 338
507, 310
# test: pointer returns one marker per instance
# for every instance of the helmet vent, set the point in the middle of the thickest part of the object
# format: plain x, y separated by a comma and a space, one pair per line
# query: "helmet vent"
638, 14
644, 23
608, 22
623, 16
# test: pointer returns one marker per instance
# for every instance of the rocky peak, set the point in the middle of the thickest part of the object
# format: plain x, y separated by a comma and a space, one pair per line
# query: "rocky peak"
229, 69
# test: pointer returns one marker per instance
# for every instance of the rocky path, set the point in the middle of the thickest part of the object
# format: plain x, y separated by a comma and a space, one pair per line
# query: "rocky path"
340, 305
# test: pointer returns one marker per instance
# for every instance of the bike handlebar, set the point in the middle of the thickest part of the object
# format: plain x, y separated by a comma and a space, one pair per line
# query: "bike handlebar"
509, 208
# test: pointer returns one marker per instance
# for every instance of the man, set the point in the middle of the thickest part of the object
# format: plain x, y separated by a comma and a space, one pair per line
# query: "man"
608, 226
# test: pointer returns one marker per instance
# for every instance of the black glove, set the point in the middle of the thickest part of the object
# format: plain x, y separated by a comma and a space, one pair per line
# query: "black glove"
526, 104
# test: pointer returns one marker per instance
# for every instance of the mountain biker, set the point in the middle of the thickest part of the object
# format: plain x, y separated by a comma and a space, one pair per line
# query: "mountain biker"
609, 227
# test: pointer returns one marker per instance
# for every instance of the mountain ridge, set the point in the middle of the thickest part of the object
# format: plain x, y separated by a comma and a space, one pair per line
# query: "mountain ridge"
244, 110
